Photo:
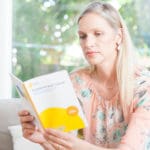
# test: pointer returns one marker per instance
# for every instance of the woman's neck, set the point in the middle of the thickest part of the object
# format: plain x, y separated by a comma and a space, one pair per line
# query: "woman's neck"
106, 75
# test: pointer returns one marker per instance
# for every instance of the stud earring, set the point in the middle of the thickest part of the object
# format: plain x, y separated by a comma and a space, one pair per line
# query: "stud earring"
118, 46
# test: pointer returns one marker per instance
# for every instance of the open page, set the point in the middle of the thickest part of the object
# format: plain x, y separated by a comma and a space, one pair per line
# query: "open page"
25, 102
18, 84
53, 99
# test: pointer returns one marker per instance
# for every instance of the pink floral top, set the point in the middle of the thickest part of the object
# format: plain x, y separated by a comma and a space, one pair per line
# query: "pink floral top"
106, 124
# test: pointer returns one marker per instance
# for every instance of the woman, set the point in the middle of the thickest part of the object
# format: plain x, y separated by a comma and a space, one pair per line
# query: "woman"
114, 93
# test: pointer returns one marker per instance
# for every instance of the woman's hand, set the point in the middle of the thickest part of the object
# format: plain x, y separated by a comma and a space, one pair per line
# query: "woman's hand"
51, 139
29, 130
66, 141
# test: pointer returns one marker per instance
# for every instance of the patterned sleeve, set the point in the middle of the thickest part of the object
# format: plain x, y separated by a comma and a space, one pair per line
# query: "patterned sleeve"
76, 81
137, 136
80, 84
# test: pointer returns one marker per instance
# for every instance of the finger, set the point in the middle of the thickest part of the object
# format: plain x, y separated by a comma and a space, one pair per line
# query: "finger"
58, 133
28, 126
27, 132
58, 146
48, 146
25, 119
23, 113
57, 141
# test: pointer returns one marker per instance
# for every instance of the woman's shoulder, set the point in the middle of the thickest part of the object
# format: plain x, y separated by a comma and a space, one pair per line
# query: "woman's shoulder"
81, 77
83, 72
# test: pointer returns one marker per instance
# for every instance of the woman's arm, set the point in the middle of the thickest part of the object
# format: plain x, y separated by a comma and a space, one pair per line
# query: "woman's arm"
137, 135
61, 140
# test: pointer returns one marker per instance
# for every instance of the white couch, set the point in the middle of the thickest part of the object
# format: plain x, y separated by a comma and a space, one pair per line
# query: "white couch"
8, 118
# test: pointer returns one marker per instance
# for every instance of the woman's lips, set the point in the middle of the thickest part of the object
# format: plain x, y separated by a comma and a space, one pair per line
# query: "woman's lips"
91, 53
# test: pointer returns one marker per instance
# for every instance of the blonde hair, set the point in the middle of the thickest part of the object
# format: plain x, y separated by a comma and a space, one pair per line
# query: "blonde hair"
125, 65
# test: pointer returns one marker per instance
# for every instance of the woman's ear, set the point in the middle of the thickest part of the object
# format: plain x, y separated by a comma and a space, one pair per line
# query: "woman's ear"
119, 39
119, 36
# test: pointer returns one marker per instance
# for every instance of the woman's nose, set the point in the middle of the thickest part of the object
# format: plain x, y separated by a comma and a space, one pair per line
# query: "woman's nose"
90, 41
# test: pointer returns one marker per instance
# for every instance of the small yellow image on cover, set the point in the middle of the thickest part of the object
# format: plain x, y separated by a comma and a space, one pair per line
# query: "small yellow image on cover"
65, 119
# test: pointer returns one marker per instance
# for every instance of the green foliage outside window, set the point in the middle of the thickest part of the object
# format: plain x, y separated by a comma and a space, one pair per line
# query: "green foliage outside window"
43, 30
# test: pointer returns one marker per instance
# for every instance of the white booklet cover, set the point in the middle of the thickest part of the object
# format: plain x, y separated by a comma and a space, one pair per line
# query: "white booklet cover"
53, 100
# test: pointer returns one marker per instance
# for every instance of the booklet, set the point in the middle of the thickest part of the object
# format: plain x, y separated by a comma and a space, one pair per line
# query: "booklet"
53, 100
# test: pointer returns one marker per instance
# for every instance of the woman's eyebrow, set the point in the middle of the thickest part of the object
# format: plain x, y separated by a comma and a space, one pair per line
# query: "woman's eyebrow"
80, 32
92, 29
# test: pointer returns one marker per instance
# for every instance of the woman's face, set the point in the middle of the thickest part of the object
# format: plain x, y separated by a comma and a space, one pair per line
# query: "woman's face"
97, 39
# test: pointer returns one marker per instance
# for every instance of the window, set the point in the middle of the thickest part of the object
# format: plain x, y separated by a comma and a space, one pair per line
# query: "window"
44, 35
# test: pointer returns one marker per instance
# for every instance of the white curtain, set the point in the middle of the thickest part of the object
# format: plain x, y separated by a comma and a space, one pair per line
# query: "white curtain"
5, 47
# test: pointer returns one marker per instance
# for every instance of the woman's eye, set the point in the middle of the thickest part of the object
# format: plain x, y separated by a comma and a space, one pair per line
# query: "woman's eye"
82, 36
98, 33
